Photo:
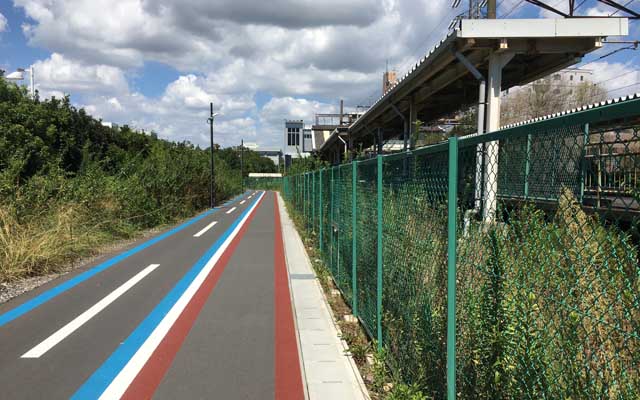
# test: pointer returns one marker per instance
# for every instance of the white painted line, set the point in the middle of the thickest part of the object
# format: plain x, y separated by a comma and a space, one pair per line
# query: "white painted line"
243, 201
232, 209
250, 197
121, 382
81, 319
206, 228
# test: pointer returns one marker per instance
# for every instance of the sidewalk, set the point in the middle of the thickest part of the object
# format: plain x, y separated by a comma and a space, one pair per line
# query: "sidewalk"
327, 371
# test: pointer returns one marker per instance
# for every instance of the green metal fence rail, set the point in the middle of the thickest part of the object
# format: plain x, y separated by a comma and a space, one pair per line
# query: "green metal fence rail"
499, 266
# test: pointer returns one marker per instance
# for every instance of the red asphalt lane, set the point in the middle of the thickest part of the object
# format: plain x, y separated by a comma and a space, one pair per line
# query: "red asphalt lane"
288, 376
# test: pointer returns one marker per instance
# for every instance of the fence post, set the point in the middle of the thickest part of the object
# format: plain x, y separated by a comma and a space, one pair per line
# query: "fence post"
354, 232
379, 269
339, 222
331, 223
527, 168
451, 268
320, 211
583, 161
313, 201
300, 192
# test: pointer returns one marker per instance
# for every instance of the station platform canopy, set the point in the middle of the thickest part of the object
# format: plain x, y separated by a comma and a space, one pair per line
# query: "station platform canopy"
442, 83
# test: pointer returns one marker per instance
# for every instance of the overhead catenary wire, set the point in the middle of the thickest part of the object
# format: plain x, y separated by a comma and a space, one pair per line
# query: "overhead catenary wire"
512, 8
625, 5
617, 89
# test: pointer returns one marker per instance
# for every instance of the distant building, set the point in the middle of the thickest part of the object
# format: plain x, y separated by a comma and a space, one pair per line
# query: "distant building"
572, 76
307, 140
294, 141
301, 140
567, 78
109, 125
250, 145
272, 154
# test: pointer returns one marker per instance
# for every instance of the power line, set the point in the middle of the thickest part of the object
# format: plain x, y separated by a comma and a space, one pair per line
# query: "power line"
579, 5
513, 9
406, 66
617, 89
616, 11
616, 77
631, 47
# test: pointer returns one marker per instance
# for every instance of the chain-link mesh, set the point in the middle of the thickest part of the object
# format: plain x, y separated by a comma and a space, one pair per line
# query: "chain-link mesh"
325, 217
366, 242
548, 283
415, 266
342, 228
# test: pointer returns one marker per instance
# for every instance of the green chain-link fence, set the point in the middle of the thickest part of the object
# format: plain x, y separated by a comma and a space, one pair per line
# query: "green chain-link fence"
499, 266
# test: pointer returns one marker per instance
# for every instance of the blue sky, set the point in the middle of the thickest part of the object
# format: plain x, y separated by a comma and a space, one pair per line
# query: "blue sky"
156, 65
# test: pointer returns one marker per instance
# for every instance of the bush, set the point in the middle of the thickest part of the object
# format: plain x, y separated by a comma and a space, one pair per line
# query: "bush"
68, 184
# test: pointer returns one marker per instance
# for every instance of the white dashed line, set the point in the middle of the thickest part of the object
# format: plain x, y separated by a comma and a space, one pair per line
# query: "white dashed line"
205, 229
83, 318
232, 209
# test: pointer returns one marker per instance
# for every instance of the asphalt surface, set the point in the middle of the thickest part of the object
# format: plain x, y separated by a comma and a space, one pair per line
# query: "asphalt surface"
110, 332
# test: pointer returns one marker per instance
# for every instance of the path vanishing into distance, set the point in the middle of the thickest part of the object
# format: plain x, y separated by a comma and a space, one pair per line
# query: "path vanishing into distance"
201, 311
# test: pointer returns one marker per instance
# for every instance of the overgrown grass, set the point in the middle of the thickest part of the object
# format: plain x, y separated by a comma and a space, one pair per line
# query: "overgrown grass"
382, 382
52, 219
69, 184
548, 302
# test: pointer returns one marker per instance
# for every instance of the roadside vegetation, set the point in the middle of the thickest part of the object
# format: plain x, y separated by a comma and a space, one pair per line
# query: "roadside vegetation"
382, 382
548, 301
69, 184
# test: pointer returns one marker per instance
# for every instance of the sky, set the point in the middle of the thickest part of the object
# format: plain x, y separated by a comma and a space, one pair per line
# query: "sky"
157, 64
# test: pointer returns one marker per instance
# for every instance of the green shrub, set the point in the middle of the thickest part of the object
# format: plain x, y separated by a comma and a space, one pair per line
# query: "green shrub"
69, 184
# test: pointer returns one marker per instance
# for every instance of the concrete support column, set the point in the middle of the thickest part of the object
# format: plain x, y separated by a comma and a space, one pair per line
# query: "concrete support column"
405, 135
497, 61
351, 151
413, 117
482, 96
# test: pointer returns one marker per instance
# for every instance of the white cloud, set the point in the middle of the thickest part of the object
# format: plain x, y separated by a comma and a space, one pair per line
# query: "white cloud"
186, 91
305, 54
615, 77
58, 73
3, 23
275, 111
227, 51
598, 11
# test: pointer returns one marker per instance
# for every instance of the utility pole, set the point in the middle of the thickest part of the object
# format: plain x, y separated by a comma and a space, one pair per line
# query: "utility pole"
212, 186
491, 9
32, 81
242, 164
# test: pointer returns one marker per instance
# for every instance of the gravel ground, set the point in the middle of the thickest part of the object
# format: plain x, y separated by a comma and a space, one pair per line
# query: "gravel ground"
9, 290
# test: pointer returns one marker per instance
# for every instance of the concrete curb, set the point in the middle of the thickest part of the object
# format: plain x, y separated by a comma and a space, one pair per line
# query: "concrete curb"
351, 384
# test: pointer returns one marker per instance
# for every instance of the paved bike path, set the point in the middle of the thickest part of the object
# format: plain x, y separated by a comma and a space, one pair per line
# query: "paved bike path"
192, 317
